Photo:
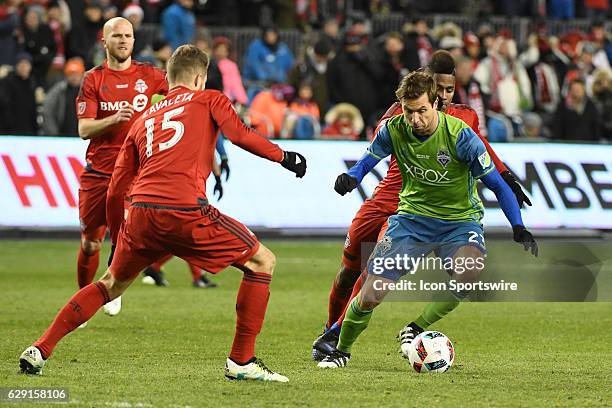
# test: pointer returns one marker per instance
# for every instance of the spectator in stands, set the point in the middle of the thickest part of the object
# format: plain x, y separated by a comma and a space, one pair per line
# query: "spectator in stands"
303, 116
504, 80
419, 44
267, 58
544, 81
58, 18
214, 79
162, 51
18, 98
602, 97
584, 68
230, 74
38, 41
59, 107
9, 22
82, 38
454, 45
331, 33
471, 45
393, 62
596, 8
179, 23
268, 109
135, 14
314, 68
561, 9
532, 128
601, 39
343, 122
577, 118
467, 91
353, 77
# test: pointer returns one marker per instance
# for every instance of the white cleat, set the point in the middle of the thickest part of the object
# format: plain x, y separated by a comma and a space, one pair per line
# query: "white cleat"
82, 326
113, 307
256, 370
405, 337
336, 359
31, 361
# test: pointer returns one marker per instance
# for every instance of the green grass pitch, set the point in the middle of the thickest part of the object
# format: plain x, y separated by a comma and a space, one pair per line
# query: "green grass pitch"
168, 346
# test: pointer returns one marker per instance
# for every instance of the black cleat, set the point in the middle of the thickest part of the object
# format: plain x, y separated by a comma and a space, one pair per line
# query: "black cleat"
325, 344
336, 359
204, 282
158, 277
406, 336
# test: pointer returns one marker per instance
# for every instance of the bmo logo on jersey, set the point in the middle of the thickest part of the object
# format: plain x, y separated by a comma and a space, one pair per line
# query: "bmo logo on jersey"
139, 103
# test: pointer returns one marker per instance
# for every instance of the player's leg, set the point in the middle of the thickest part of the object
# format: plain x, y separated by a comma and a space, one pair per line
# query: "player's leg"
213, 242
131, 255
397, 240
199, 278
465, 245
92, 217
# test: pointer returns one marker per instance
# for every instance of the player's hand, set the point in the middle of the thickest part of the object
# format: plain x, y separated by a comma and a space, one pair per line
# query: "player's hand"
345, 184
112, 253
225, 167
521, 197
123, 115
218, 187
522, 236
295, 163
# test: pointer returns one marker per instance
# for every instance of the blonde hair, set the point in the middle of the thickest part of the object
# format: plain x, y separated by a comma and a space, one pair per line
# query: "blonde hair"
186, 62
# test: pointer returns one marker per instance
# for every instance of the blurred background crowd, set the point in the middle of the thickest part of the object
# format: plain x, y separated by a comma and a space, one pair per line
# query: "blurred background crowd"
532, 69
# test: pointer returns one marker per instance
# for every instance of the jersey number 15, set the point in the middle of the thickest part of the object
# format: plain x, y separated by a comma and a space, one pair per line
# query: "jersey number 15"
175, 125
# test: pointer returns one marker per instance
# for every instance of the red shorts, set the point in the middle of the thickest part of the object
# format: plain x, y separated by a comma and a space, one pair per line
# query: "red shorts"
92, 205
205, 238
364, 230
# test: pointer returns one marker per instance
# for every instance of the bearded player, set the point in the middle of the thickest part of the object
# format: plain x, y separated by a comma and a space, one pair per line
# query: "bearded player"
112, 96
166, 154
440, 159
375, 211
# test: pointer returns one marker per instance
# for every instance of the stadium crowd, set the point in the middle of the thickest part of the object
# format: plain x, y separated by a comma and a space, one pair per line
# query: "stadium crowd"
342, 76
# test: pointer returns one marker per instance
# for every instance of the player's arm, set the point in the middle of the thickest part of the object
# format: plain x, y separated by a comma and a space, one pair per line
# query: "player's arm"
87, 111
126, 168
380, 148
472, 151
239, 134
220, 147
505, 173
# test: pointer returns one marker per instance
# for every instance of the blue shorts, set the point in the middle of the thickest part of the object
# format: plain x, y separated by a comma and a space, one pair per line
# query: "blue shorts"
412, 236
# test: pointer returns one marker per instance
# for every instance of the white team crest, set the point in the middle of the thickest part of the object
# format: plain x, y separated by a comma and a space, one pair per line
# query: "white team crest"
485, 160
384, 245
140, 102
347, 241
140, 86
443, 157
82, 106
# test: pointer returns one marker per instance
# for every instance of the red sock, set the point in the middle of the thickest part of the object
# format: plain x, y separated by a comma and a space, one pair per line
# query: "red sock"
251, 307
158, 265
79, 309
338, 299
355, 292
196, 272
87, 265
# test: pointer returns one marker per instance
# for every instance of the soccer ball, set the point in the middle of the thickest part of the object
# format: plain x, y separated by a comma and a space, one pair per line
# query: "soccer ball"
431, 352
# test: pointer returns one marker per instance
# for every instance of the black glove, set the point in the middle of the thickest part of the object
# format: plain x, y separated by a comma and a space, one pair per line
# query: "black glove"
345, 184
218, 187
522, 236
295, 163
112, 253
521, 197
225, 166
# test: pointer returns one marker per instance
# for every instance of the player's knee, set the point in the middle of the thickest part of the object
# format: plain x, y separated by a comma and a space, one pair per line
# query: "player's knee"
469, 264
263, 261
91, 247
346, 277
114, 287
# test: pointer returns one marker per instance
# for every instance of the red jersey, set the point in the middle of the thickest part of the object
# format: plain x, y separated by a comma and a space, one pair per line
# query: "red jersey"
171, 148
387, 191
105, 91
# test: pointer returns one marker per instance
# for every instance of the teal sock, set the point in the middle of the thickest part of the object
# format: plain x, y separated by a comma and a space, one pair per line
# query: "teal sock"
355, 322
